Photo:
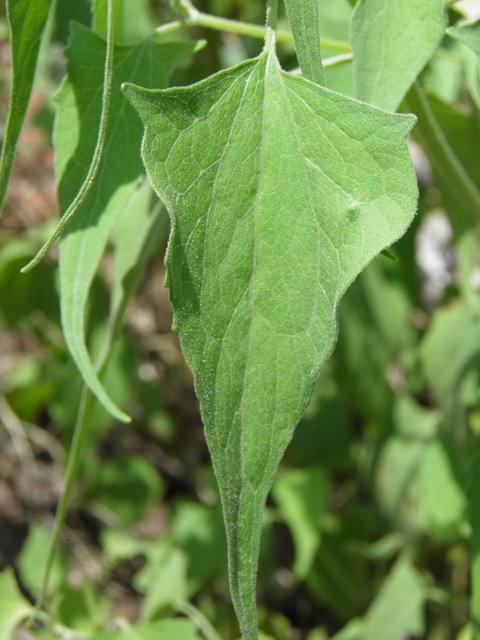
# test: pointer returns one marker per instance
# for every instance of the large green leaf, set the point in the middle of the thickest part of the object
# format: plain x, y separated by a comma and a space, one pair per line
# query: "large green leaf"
27, 20
280, 192
120, 171
304, 16
392, 42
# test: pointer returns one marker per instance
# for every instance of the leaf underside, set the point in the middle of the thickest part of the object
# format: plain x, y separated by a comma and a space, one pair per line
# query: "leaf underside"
27, 19
392, 42
280, 192
76, 127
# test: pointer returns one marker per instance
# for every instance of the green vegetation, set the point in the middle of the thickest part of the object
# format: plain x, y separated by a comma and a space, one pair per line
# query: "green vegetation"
325, 293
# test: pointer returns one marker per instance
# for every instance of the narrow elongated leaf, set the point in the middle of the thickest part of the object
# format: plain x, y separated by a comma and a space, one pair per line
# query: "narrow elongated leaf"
469, 35
120, 170
27, 20
280, 192
392, 41
304, 17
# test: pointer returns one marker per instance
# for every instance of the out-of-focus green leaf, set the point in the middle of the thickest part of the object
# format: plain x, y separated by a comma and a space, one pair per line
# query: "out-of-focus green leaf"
392, 42
319, 633
469, 35
473, 493
336, 578
161, 630
253, 284
23, 294
324, 433
334, 21
27, 19
417, 488
411, 420
66, 11
31, 559
462, 130
301, 496
351, 631
375, 335
335, 16
83, 610
443, 76
466, 633
398, 610
13, 607
133, 20
165, 584
139, 231
460, 126
120, 171
450, 346
443, 503
199, 531
126, 486
304, 17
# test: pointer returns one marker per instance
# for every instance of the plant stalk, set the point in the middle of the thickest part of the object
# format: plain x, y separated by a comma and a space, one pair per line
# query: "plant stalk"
271, 24
195, 18
72, 465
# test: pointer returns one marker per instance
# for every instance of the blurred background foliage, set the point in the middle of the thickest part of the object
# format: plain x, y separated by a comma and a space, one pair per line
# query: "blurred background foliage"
367, 533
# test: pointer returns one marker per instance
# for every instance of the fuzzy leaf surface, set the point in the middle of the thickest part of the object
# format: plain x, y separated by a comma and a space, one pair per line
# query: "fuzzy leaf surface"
76, 127
392, 42
304, 17
280, 192
27, 20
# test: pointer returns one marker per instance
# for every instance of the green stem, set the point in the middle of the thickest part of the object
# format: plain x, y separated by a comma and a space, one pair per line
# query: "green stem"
271, 24
336, 61
97, 156
197, 18
441, 153
74, 456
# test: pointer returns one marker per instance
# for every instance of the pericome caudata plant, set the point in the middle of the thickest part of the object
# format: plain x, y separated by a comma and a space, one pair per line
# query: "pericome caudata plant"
280, 191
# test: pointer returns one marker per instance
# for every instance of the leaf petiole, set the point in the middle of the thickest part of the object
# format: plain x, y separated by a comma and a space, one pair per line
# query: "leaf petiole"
97, 156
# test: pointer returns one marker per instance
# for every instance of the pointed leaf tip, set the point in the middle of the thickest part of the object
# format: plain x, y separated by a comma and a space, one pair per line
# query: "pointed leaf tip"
135, 95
